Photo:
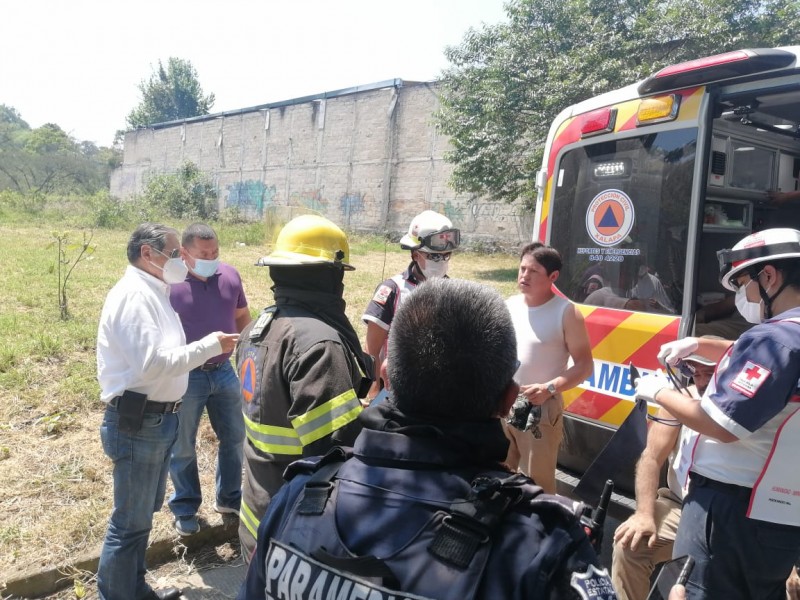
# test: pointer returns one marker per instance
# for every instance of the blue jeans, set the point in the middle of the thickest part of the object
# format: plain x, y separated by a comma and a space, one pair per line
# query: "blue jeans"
141, 461
218, 393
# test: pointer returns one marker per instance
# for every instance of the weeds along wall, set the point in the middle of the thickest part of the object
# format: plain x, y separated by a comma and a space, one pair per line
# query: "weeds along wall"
368, 158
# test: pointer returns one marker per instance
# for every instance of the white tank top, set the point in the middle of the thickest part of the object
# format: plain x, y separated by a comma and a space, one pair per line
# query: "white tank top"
541, 349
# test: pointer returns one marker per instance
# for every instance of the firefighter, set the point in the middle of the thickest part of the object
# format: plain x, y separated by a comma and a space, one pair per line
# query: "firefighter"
747, 545
301, 366
424, 507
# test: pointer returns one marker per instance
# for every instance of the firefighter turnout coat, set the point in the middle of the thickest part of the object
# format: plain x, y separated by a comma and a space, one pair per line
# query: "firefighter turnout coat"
299, 385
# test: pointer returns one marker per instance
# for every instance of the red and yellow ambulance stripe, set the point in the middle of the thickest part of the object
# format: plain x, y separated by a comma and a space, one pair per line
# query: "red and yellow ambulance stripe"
618, 338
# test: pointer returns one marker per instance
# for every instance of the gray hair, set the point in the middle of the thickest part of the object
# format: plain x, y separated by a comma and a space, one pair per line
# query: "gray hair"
452, 351
197, 230
150, 234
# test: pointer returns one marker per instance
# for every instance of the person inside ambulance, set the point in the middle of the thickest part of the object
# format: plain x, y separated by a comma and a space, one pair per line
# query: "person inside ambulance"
647, 287
431, 238
742, 460
423, 506
600, 290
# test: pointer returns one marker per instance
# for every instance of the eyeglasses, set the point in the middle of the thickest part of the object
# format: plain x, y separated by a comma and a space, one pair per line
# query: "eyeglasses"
173, 254
737, 282
686, 369
444, 256
449, 239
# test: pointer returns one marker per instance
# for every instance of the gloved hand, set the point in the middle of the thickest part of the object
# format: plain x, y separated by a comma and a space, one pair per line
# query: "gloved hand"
649, 385
672, 352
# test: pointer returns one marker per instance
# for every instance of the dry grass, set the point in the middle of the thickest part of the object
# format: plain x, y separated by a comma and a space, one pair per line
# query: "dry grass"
55, 480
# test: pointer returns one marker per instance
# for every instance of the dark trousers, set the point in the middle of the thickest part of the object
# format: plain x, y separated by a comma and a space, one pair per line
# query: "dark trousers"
735, 557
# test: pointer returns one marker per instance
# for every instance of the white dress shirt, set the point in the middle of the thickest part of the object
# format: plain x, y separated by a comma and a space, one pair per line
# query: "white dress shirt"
140, 341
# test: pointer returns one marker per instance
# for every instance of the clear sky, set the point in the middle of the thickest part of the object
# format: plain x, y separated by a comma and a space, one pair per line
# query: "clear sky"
78, 63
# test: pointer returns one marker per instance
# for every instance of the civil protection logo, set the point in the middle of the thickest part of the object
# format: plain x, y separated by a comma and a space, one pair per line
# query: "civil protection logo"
247, 377
609, 218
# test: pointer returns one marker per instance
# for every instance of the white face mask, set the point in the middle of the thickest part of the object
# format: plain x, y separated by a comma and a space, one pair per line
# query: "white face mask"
751, 311
432, 270
205, 268
174, 270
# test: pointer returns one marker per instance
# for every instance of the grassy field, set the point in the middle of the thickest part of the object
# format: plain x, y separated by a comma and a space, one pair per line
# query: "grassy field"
55, 481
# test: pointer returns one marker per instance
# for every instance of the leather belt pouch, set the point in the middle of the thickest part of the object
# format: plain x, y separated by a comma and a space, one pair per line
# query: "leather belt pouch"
130, 407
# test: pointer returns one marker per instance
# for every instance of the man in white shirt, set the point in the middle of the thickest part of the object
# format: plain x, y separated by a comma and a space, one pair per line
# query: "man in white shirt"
550, 331
143, 365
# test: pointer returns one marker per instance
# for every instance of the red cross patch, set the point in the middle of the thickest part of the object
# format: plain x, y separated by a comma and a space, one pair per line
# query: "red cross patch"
382, 295
750, 379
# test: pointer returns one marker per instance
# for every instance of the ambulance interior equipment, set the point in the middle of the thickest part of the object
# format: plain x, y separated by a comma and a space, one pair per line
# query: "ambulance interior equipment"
640, 188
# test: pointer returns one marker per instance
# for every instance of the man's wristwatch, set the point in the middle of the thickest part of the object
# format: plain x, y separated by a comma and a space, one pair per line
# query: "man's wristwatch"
551, 389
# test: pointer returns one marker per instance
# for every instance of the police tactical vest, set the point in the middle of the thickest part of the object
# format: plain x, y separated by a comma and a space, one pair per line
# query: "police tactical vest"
446, 558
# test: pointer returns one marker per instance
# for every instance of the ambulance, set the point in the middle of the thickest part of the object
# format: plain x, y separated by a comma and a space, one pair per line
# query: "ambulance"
639, 189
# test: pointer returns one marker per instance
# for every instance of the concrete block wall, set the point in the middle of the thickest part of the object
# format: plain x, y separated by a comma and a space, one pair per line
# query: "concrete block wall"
369, 159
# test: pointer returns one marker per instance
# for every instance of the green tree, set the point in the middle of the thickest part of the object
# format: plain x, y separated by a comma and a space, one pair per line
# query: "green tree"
186, 194
171, 93
47, 160
507, 82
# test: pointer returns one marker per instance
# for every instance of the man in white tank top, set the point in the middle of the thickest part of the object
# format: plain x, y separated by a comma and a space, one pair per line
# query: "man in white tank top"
550, 331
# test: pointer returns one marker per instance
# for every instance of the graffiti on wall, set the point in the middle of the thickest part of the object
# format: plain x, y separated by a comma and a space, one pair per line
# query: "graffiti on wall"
311, 199
250, 197
352, 205
451, 211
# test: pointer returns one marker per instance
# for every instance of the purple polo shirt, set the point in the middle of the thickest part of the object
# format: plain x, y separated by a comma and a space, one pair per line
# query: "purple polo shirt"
209, 306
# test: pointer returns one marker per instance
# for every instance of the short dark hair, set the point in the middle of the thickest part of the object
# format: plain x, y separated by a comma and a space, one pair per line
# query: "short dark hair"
150, 234
547, 256
197, 230
452, 351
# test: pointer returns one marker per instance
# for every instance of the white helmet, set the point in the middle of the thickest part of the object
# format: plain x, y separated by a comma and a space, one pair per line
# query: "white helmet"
765, 246
431, 232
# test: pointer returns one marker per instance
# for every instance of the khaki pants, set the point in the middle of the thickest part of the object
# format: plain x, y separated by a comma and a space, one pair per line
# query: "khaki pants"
631, 570
537, 458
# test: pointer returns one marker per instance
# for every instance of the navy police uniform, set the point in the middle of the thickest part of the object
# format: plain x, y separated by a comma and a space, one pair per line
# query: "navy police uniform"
421, 510
739, 551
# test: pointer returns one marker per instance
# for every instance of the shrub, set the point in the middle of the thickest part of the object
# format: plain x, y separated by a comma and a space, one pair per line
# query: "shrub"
187, 194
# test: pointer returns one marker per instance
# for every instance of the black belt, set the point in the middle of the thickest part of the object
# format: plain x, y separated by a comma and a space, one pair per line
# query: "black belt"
210, 366
151, 406
728, 488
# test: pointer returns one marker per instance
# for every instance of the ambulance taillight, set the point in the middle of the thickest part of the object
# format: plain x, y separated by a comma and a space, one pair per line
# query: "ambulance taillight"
598, 121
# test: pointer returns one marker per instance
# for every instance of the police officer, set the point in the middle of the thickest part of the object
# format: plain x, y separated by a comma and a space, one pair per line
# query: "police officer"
746, 546
431, 238
300, 364
424, 508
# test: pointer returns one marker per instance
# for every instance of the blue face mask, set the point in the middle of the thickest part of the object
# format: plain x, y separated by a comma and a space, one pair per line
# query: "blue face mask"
205, 268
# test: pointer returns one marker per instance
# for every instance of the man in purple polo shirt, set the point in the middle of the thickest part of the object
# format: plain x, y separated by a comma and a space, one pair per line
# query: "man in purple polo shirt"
211, 299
